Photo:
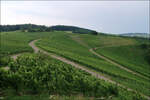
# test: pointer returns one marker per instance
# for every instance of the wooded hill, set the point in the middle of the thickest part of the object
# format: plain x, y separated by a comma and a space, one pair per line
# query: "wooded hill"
43, 28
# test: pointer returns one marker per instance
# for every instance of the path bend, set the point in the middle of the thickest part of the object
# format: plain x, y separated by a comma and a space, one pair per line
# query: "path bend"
79, 40
74, 64
115, 63
97, 75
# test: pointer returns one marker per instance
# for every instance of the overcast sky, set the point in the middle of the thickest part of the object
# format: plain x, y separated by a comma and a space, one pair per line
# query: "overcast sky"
103, 16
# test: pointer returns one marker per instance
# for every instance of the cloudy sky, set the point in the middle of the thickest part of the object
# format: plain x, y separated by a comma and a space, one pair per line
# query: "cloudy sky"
103, 16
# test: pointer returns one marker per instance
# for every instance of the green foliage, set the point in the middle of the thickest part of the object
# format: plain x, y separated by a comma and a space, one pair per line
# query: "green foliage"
37, 74
24, 28
73, 29
17, 42
145, 46
34, 72
62, 44
42, 28
129, 56
4, 61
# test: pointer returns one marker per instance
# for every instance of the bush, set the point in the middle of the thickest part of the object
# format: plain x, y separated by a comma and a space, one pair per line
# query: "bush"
36, 73
145, 46
4, 61
148, 55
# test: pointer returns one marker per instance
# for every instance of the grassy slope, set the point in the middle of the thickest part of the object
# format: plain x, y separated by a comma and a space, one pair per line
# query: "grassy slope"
131, 56
105, 40
9, 94
125, 51
60, 43
15, 42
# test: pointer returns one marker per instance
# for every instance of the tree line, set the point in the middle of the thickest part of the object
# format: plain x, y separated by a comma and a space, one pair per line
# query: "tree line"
146, 46
43, 28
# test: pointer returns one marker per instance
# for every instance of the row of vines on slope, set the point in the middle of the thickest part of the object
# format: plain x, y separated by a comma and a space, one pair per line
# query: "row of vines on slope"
35, 74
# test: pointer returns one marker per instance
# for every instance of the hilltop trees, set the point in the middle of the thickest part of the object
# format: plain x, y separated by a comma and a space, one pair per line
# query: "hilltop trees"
94, 33
42, 28
73, 29
148, 55
24, 28
147, 48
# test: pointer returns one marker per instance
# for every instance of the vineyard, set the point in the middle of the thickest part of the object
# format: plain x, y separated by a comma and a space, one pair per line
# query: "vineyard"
36, 74
135, 55
47, 78
84, 57
129, 47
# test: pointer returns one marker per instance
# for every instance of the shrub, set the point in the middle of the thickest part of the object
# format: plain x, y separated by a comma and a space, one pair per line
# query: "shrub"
4, 61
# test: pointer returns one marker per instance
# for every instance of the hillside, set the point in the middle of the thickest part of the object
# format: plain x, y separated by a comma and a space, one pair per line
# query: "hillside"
51, 72
42, 28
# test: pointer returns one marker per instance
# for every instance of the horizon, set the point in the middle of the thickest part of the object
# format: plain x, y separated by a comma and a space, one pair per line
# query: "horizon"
73, 26
109, 17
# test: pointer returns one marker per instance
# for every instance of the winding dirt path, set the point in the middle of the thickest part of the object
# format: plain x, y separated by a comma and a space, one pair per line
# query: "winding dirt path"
98, 75
116, 64
36, 50
79, 40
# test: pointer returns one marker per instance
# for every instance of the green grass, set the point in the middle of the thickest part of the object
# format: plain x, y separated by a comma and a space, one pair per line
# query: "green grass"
62, 44
124, 50
132, 57
52, 77
105, 40
16, 42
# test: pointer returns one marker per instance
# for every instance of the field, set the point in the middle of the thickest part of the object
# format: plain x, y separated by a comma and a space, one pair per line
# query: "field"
135, 57
17, 42
109, 45
47, 75
75, 47
67, 46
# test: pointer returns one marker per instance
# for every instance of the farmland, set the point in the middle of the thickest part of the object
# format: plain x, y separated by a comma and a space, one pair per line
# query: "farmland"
83, 56
135, 55
74, 47
127, 51
16, 42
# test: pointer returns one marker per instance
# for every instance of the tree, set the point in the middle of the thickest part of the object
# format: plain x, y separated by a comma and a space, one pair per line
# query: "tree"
94, 33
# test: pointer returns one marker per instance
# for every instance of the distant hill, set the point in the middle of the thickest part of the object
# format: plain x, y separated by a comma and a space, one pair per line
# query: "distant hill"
42, 28
144, 35
74, 29
23, 27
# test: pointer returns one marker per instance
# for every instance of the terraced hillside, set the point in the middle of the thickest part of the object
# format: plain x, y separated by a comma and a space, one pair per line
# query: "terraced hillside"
125, 51
75, 50
75, 47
